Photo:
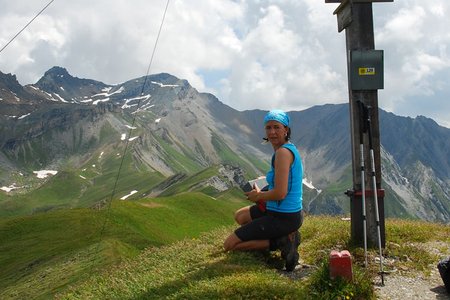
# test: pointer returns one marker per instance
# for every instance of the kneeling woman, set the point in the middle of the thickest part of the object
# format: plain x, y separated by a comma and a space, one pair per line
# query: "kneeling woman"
275, 226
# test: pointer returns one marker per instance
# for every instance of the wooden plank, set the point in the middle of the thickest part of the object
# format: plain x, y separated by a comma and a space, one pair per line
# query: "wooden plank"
358, 1
344, 15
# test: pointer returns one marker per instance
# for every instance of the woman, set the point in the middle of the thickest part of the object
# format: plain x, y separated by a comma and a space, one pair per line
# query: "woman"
276, 226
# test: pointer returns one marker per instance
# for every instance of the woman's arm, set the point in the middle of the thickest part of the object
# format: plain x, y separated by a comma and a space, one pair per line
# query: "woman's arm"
283, 161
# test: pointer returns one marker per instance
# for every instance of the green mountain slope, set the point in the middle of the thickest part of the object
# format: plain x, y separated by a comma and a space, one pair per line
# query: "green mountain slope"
171, 247
91, 183
44, 252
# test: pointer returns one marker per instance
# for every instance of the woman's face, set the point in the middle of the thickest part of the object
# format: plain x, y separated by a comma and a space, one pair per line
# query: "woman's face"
276, 133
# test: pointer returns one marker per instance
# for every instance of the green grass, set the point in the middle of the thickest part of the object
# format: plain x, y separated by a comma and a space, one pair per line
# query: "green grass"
321, 287
51, 250
190, 269
171, 248
197, 268
404, 239
68, 189
58, 192
102, 178
322, 234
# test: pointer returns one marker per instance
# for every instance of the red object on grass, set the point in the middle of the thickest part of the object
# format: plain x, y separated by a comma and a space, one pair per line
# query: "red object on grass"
341, 265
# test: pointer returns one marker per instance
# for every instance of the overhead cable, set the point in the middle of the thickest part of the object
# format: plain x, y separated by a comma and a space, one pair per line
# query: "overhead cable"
134, 118
17, 34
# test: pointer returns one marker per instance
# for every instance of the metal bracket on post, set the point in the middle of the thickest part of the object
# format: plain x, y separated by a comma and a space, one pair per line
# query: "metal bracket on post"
368, 193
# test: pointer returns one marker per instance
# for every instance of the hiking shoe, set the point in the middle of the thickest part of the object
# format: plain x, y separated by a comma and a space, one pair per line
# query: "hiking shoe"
290, 264
289, 250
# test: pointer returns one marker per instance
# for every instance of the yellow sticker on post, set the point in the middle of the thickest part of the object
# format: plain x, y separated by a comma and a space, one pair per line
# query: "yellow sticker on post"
366, 71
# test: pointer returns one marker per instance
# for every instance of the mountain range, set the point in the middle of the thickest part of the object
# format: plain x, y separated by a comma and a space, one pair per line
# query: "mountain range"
156, 135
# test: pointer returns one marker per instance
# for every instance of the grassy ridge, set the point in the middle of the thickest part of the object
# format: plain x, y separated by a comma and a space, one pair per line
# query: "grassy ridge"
188, 183
199, 269
190, 269
192, 183
42, 253
155, 249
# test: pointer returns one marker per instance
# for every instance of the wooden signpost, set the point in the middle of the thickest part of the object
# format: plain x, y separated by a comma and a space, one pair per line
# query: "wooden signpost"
365, 77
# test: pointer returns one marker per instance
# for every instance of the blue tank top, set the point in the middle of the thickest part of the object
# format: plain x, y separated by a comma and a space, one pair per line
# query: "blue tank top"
293, 201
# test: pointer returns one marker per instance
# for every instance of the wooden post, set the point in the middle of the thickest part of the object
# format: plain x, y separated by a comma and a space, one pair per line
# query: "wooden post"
355, 16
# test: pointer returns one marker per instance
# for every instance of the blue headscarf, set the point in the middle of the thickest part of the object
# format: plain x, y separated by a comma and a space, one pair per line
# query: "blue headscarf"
277, 115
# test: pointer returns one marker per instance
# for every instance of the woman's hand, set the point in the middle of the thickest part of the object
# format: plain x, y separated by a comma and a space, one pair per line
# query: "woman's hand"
253, 194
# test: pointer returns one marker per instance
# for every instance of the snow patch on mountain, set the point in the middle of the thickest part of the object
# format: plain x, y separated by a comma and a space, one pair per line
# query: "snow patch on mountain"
130, 194
10, 188
44, 173
165, 85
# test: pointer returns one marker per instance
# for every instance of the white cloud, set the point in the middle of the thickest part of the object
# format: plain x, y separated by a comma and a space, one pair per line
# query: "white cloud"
399, 29
251, 54
281, 67
415, 39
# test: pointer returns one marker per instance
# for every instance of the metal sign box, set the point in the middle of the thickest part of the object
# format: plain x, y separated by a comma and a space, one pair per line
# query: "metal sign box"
366, 69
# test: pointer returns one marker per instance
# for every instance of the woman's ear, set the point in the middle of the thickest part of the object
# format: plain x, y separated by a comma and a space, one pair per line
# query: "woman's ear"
288, 134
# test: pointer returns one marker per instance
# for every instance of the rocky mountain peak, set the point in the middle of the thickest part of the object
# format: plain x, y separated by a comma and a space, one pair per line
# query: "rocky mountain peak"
60, 86
9, 82
56, 71
8, 78
15, 99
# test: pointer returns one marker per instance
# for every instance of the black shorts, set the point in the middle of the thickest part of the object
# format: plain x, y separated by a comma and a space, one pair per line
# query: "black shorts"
269, 225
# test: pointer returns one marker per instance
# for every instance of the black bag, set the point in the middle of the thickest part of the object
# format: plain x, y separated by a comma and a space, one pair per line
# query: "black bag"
444, 270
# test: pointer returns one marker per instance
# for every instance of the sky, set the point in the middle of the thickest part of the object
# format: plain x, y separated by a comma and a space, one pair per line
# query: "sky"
255, 54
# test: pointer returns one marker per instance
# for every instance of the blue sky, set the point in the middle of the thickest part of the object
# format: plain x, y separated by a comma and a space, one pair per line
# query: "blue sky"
251, 54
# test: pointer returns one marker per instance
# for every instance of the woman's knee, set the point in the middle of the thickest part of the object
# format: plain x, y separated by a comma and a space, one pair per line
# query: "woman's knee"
242, 216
